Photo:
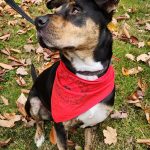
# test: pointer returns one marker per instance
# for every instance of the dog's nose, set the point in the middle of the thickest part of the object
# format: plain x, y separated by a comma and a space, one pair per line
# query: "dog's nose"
41, 21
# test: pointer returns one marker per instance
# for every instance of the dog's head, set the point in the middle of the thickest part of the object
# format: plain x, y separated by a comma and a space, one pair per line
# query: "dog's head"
75, 24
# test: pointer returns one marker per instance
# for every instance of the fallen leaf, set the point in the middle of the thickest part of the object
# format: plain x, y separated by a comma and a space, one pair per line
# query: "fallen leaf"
7, 123
147, 113
20, 32
142, 85
143, 141
130, 56
21, 104
15, 50
5, 100
5, 143
119, 115
134, 40
28, 48
39, 50
21, 71
141, 44
132, 71
6, 66
77, 147
12, 117
52, 136
29, 123
5, 51
12, 22
5, 37
143, 57
21, 81
110, 135
147, 27
25, 91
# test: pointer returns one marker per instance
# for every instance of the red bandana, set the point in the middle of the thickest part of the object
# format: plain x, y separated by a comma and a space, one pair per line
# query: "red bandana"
72, 96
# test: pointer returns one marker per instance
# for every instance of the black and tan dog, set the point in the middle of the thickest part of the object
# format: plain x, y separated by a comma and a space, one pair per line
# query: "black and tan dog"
78, 29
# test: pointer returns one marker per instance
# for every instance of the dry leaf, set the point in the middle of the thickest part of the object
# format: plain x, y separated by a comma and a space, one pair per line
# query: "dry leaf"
28, 48
21, 71
15, 50
21, 104
147, 113
21, 81
132, 71
12, 22
142, 85
39, 50
5, 143
5, 51
119, 115
29, 123
5, 100
134, 40
6, 66
110, 136
130, 56
52, 136
143, 57
7, 123
25, 91
143, 141
20, 32
141, 44
147, 27
5, 37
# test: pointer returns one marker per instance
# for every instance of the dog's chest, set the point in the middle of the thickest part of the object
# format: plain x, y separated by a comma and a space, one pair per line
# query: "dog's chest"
94, 115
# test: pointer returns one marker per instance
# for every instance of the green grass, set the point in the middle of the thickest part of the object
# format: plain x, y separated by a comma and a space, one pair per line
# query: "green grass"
135, 126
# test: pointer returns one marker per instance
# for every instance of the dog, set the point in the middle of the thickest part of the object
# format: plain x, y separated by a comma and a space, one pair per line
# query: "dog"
69, 93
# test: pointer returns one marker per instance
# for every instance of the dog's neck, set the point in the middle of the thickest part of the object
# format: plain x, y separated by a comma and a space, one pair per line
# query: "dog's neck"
82, 64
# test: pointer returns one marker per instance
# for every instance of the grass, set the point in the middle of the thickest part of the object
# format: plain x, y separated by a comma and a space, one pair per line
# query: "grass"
135, 126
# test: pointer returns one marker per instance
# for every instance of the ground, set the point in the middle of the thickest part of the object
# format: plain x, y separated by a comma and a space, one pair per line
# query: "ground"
133, 127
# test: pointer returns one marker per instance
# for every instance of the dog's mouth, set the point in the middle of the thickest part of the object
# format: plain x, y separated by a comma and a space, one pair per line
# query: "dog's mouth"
44, 45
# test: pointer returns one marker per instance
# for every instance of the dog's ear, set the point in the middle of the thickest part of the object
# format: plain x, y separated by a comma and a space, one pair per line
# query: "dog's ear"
54, 3
109, 6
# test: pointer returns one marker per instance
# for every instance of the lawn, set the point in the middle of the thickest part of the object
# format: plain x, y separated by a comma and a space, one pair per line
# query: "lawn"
135, 126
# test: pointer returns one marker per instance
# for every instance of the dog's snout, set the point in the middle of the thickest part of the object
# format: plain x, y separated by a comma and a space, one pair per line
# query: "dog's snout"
41, 21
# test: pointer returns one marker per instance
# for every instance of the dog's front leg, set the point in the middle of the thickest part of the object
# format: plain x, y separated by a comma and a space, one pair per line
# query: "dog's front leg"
39, 135
89, 134
61, 136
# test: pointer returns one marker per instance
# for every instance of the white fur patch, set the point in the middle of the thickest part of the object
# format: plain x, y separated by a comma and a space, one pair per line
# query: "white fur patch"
35, 105
95, 115
87, 65
39, 141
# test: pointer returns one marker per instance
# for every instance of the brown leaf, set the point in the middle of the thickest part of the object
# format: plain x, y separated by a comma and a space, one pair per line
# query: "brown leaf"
52, 136
134, 40
5, 100
5, 143
21, 81
147, 113
6, 66
21, 71
7, 123
143, 141
15, 50
132, 71
12, 116
25, 91
21, 104
110, 136
5, 37
142, 85
143, 57
119, 115
141, 44
28, 48
20, 32
147, 27
12, 22
130, 56
29, 123
5, 51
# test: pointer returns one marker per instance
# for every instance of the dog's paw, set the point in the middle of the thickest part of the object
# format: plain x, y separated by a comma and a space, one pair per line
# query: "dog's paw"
39, 140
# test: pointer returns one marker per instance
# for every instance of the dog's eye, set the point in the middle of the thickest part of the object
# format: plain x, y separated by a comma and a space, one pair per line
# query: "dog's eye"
75, 10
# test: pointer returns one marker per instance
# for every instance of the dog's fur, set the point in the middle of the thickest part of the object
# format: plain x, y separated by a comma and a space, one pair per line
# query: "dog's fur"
78, 29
